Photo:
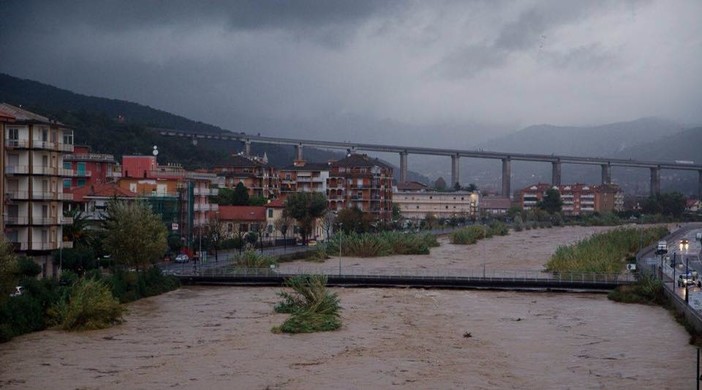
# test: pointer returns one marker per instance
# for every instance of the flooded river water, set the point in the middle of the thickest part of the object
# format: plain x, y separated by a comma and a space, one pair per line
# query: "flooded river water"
220, 338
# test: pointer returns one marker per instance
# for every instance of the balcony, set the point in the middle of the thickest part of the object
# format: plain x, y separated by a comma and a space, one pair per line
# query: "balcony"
66, 220
63, 172
67, 244
206, 207
44, 221
89, 157
65, 147
45, 145
16, 143
17, 169
17, 220
46, 195
45, 246
206, 191
66, 196
114, 175
10, 195
81, 173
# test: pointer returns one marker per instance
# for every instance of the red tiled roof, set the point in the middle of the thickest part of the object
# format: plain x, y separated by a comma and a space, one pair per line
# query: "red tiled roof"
495, 203
276, 203
411, 186
105, 190
242, 213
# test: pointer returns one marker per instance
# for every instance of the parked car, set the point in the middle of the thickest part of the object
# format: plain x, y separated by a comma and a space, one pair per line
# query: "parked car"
689, 279
182, 258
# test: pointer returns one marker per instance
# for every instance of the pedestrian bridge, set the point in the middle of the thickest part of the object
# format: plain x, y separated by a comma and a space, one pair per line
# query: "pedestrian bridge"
414, 278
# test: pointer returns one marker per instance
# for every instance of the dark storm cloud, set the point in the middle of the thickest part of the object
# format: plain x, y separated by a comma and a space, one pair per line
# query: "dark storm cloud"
344, 68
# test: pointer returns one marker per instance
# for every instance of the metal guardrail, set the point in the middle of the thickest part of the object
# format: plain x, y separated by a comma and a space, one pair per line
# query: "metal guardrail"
409, 277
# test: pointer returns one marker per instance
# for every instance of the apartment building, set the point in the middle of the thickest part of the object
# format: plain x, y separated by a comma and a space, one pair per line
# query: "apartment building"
416, 201
33, 152
181, 197
91, 200
254, 172
90, 168
303, 176
577, 198
362, 182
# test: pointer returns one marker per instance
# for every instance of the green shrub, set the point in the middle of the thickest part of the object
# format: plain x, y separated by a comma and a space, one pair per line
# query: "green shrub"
647, 290
89, 306
253, 259
28, 267
312, 307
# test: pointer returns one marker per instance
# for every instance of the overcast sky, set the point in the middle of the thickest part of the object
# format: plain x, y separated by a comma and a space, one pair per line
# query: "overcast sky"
439, 73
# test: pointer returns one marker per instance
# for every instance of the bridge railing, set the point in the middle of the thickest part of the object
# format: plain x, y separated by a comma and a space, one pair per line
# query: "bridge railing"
422, 273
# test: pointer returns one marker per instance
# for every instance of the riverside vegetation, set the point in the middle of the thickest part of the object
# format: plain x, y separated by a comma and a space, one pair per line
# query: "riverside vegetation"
311, 306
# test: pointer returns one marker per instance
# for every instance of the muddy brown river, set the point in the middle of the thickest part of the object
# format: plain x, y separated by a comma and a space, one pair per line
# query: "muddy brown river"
220, 338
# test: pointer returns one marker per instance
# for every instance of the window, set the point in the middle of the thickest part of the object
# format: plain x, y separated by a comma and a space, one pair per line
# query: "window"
68, 137
270, 213
44, 134
13, 133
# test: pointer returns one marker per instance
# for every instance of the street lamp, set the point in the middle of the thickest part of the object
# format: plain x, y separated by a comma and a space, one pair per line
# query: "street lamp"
340, 230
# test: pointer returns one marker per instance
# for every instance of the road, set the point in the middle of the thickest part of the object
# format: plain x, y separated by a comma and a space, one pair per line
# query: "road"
680, 259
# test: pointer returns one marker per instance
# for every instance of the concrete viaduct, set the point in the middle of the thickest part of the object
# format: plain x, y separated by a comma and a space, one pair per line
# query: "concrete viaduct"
556, 161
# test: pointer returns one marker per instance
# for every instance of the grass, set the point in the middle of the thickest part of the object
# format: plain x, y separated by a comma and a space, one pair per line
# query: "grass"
603, 252
472, 234
90, 305
647, 290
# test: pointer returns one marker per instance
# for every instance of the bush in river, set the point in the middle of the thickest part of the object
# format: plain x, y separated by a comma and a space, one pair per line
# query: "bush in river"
90, 305
311, 306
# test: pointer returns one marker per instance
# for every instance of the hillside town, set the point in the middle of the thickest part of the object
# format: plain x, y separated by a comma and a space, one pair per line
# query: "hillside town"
47, 179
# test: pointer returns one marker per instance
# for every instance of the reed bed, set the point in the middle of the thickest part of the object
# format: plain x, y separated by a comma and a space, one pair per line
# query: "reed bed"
380, 244
603, 252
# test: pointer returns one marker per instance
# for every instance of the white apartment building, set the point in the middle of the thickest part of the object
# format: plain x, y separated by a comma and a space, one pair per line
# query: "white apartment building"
34, 147
416, 203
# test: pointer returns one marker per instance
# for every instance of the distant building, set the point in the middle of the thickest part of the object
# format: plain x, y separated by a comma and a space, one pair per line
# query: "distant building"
181, 197
304, 177
495, 205
362, 182
577, 198
416, 201
259, 177
33, 151
90, 168
92, 199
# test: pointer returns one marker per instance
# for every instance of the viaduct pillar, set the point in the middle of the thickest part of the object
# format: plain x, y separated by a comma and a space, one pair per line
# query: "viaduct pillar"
506, 177
298, 152
606, 174
699, 184
455, 174
556, 173
655, 181
403, 166
247, 147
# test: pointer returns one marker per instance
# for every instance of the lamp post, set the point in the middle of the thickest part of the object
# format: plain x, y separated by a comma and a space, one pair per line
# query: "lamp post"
687, 272
340, 232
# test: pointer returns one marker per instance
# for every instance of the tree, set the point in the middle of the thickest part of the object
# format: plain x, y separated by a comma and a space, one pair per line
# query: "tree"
429, 221
670, 203
241, 195
471, 187
257, 200
305, 208
354, 220
551, 202
328, 222
215, 232
77, 231
8, 269
136, 237
282, 225
440, 184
